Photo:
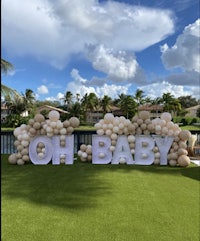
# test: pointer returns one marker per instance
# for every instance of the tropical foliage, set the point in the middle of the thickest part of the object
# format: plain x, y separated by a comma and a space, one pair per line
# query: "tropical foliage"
83, 107
188, 101
7, 91
105, 103
127, 104
17, 104
6, 66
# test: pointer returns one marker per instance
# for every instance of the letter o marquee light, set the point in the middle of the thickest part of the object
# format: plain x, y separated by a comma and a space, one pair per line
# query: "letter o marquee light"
48, 150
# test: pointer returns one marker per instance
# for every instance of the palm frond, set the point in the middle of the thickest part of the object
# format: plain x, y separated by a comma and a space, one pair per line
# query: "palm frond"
6, 66
7, 91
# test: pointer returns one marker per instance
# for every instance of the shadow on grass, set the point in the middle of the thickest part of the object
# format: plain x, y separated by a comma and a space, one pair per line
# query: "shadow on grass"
192, 171
74, 187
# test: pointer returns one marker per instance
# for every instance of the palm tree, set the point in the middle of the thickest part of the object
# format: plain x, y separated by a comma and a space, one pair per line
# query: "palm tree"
29, 97
15, 105
68, 99
77, 97
6, 66
19, 103
76, 110
171, 104
5, 90
127, 105
105, 103
147, 100
167, 99
139, 96
89, 103
156, 101
187, 101
29, 100
176, 106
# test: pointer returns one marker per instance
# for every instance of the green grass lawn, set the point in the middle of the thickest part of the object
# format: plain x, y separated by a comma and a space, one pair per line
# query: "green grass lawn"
85, 202
191, 128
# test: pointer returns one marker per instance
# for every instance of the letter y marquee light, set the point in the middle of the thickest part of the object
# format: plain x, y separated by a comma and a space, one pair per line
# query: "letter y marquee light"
140, 141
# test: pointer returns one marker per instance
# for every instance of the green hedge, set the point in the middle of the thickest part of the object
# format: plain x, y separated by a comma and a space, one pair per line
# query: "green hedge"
186, 120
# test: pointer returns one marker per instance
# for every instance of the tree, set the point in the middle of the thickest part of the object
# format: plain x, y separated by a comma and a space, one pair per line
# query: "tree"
19, 103
89, 103
167, 99
127, 105
29, 96
29, 100
176, 106
5, 90
187, 101
39, 103
6, 66
16, 105
156, 101
78, 97
147, 100
68, 99
105, 103
171, 104
75, 110
139, 97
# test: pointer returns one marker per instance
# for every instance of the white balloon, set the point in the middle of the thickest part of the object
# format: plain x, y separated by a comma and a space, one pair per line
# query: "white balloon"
54, 115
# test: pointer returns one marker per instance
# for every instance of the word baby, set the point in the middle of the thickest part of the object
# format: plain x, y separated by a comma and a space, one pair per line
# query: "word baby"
101, 153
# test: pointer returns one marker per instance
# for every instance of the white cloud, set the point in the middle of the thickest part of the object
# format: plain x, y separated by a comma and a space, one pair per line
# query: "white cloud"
58, 97
185, 52
195, 92
76, 76
190, 78
82, 86
78, 88
157, 89
54, 86
42, 90
52, 31
96, 81
112, 90
119, 66
51, 98
13, 72
185, 55
37, 96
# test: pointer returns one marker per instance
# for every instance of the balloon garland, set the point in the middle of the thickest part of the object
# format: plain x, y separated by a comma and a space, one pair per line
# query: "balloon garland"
111, 126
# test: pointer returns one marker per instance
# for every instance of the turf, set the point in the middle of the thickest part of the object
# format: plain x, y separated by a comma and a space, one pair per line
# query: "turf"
85, 202
191, 128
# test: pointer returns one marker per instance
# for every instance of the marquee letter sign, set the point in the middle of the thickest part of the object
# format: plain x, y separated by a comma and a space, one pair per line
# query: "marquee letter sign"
140, 141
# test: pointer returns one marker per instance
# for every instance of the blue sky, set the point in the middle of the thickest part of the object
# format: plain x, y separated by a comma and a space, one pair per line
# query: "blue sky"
106, 47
